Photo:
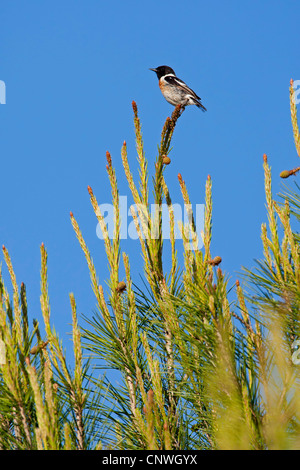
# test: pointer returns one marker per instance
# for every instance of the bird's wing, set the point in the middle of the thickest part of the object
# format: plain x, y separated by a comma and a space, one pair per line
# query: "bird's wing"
171, 80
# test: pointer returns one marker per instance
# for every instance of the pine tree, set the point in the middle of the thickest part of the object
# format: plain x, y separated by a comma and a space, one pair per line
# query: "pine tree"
197, 370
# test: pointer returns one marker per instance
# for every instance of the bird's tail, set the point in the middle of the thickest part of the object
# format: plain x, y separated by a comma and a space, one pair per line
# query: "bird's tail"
200, 105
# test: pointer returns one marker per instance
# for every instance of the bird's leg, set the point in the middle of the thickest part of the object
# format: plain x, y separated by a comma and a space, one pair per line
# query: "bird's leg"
182, 109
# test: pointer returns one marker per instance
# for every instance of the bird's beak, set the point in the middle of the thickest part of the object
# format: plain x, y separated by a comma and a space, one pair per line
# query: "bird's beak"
153, 70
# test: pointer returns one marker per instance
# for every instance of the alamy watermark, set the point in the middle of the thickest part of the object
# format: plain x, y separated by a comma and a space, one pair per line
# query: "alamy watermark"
296, 86
2, 352
296, 354
2, 92
188, 222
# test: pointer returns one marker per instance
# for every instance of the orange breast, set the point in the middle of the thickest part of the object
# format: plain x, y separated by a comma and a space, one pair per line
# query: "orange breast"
161, 84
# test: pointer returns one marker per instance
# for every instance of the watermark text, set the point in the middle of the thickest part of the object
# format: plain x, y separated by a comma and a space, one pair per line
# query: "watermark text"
181, 221
2, 92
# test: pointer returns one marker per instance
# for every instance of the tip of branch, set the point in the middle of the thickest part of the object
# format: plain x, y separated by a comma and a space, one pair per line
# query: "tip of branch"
71, 214
179, 177
108, 158
90, 190
265, 158
291, 82
237, 283
134, 106
287, 173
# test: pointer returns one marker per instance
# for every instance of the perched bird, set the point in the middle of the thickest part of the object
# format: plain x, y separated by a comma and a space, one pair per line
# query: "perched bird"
175, 90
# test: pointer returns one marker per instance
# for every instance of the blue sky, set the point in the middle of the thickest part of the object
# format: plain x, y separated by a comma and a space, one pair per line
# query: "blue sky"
72, 69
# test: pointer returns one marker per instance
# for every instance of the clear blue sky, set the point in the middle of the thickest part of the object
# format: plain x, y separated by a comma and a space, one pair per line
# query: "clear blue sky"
71, 70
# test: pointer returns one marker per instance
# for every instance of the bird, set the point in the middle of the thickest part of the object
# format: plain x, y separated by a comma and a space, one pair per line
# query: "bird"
174, 89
